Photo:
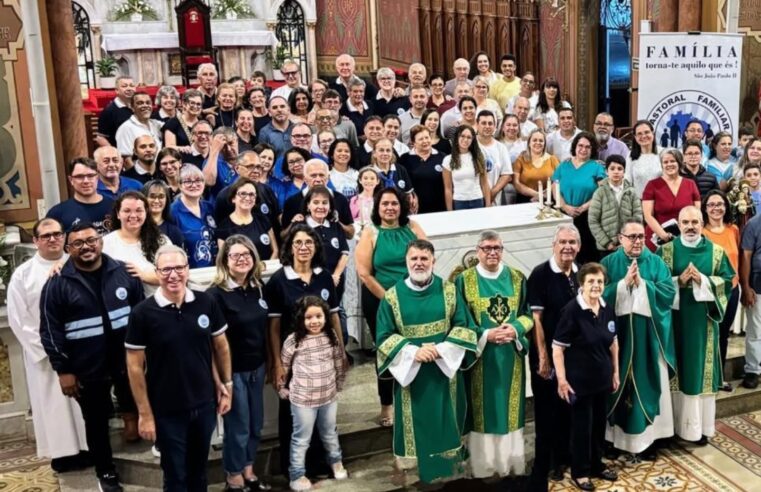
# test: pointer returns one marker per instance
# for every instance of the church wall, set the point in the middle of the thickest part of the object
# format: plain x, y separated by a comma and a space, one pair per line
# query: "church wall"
398, 33
552, 56
343, 26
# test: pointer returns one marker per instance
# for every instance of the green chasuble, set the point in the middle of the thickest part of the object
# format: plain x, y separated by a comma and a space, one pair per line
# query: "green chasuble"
642, 341
496, 382
430, 411
696, 323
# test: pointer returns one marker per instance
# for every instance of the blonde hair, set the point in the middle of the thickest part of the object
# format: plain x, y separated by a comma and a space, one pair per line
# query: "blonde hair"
254, 277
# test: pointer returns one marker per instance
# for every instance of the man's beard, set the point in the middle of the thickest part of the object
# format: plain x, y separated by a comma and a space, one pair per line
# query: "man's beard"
602, 137
421, 278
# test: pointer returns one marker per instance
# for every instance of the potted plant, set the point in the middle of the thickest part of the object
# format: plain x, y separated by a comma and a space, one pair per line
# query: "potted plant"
106, 68
135, 11
231, 9
277, 60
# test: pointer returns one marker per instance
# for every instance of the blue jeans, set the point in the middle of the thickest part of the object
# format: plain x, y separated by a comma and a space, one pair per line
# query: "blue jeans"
184, 440
243, 423
304, 420
467, 204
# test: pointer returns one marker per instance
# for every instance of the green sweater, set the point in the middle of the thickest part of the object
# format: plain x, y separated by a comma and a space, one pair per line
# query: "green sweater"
606, 215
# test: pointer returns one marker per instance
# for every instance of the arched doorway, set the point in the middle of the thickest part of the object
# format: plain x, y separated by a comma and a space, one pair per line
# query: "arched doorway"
615, 55
290, 31
85, 62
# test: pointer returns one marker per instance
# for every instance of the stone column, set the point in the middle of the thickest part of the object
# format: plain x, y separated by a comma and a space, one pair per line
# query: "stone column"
66, 78
690, 15
668, 16
312, 49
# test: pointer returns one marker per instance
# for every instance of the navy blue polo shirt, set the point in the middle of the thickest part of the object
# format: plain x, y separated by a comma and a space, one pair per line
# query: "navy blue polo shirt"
111, 118
125, 184
587, 338
426, 177
257, 231
71, 212
294, 203
177, 341
549, 290
285, 287
245, 311
199, 233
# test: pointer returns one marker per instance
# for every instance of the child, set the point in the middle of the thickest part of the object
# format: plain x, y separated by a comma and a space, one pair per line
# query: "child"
613, 203
743, 137
752, 175
314, 359
361, 204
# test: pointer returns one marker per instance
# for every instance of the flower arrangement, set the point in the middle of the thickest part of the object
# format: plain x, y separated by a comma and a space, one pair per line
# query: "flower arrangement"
128, 8
231, 9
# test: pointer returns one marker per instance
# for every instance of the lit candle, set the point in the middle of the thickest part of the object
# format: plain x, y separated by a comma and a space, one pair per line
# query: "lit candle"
549, 190
541, 196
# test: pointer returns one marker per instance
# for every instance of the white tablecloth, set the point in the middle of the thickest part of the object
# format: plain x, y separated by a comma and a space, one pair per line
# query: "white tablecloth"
169, 40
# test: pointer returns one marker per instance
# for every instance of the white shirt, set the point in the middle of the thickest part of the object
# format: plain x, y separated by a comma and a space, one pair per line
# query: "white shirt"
465, 184
449, 119
345, 183
527, 127
559, 146
514, 149
532, 102
639, 172
131, 129
115, 247
498, 161
284, 91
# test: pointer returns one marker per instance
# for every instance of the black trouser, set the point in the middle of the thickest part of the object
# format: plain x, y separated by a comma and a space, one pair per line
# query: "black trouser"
552, 420
315, 459
588, 434
726, 325
370, 305
588, 251
97, 407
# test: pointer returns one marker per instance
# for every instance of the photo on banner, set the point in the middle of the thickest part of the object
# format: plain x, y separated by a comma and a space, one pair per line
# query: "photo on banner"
683, 77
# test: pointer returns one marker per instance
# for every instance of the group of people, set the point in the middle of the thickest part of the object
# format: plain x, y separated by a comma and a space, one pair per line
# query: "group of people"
625, 326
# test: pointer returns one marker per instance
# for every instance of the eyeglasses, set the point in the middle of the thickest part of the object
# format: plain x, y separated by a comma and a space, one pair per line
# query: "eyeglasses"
246, 194
290, 74
249, 167
491, 249
240, 256
295, 161
308, 243
167, 271
191, 182
50, 235
597, 123
301, 135
715, 205
202, 134
156, 196
634, 237
90, 241
527, 82
192, 104
84, 177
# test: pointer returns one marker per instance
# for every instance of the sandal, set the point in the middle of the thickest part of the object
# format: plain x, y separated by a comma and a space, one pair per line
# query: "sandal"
386, 421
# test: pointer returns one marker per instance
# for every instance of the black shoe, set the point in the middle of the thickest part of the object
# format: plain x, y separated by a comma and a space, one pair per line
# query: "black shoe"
650, 454
230, 488
109, 482
585, 485
702, 441
607, 474
557, 474
611, 452
726, 387
750, 381
258, 484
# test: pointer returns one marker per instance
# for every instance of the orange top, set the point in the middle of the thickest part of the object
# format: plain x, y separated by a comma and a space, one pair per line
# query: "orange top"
532, 175
729, 239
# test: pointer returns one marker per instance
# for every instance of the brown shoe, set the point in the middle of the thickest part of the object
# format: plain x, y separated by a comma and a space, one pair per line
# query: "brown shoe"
130, 432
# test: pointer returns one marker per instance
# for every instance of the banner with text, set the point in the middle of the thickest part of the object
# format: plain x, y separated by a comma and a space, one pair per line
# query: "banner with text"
689, 76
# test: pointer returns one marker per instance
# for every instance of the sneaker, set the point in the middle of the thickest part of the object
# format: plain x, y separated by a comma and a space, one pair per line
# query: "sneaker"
155, 451
302, 483
339, 472
109, 482
750, 381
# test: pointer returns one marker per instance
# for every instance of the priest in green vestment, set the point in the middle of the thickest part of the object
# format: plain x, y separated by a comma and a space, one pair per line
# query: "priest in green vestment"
640, 289
424, 331
703, 276
496, 298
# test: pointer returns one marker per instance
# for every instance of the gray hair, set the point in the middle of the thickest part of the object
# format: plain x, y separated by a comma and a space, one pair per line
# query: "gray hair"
566, 228
190, 171
244, 155
191, 93
204, 66
489, 235
629, 222
316, 162
167, 249
385, 72
356, 82
480, 78
100, 150
167, 90
227, 131
122, 77
675, 153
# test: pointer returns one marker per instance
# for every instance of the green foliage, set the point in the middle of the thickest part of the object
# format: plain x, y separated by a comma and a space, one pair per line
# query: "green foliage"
106, 66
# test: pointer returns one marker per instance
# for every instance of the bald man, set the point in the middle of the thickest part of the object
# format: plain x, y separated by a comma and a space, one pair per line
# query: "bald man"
345, 67
461, 68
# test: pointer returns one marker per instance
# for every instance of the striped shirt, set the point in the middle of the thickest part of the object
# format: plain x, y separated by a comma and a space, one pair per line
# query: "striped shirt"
316, 368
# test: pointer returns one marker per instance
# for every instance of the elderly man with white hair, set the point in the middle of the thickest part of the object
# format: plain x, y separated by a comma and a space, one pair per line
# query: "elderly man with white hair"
208, 80
316, 173
390, 99
292, 73
461, 68
345, 66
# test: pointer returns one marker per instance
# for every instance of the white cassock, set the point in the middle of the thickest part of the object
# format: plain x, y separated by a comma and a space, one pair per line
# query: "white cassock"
58, 425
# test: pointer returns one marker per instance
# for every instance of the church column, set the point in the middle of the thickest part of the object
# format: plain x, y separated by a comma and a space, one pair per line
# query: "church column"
668, 15
312, 49
64, 57
689, 15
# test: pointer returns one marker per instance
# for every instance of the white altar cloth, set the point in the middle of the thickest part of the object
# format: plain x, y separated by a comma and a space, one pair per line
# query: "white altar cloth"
169, 40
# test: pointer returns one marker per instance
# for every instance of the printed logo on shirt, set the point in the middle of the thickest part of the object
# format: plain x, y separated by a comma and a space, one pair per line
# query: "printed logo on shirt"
203, 321
264, 208
121, 293
438, 168
212, 223
402, 183
325, 294
334, 242
489, 165
612, 326
263, 304
264, 239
